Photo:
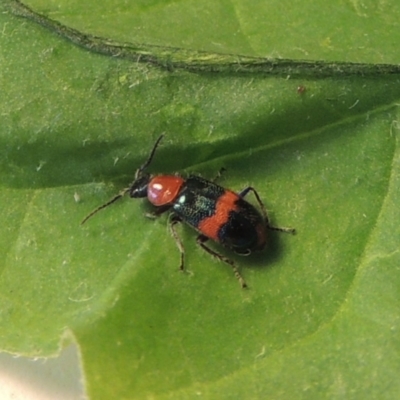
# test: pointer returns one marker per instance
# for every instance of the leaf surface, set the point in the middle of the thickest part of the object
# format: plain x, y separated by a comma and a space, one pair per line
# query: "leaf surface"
320, 318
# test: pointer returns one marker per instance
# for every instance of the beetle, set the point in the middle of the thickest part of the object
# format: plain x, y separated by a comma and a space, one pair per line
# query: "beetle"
215, 212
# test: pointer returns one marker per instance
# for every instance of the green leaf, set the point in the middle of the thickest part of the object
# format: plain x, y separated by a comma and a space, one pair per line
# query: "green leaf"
320, 318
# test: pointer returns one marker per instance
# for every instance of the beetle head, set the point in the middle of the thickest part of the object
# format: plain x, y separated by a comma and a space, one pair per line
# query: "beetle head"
138, 189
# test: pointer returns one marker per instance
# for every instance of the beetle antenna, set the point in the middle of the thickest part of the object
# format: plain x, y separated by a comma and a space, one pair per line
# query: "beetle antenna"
113, 200
127, 190
148, 161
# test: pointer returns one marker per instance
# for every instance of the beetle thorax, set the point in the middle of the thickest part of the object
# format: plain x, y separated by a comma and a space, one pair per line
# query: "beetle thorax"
164, 189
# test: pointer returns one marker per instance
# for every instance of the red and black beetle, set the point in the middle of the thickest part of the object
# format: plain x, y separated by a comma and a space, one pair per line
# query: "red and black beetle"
216, 213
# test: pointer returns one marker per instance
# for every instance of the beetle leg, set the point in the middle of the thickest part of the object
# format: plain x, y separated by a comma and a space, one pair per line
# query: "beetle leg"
281, 229
159, 210
245, 191
201, 239
174, 219
219, 174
